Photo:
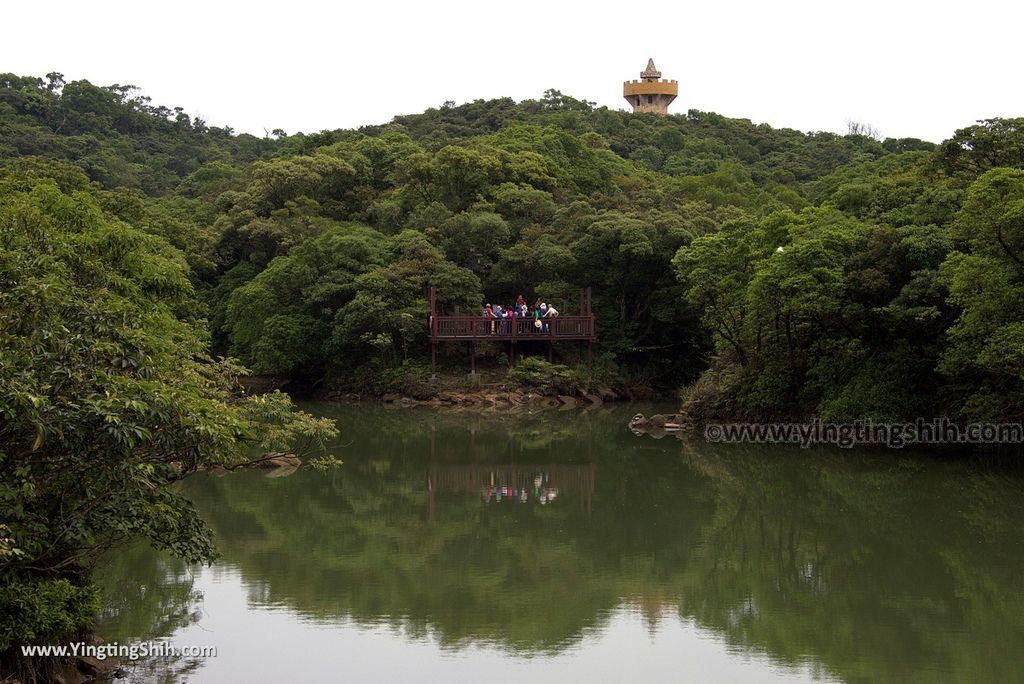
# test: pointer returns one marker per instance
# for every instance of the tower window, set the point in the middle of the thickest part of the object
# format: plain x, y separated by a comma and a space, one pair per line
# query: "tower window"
650, 99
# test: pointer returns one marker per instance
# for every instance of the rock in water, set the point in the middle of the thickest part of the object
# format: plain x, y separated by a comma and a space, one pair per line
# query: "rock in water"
658, 422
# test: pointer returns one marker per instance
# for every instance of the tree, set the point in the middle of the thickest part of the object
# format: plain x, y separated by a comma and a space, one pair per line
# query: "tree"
108, 398
279, 321
864, 129
389, 311
986, 285
988, 144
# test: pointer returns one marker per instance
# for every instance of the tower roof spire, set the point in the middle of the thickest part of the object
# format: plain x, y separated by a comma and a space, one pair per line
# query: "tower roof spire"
651, 71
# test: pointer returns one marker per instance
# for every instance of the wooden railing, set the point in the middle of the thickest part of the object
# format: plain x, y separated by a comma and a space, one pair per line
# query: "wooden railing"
511, 329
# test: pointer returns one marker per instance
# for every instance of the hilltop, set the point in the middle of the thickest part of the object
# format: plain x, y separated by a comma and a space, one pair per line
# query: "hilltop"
793, 274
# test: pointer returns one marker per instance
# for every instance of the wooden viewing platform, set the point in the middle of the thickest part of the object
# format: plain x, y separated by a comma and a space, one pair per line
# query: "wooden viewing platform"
481, 328
462, 328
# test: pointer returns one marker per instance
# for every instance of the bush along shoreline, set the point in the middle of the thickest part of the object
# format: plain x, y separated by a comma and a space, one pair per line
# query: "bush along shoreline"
533, 381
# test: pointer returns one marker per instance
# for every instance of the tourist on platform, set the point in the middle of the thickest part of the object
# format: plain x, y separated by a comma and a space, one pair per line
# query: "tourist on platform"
489, 315
502, 313
499, 314
519, 318
547, 312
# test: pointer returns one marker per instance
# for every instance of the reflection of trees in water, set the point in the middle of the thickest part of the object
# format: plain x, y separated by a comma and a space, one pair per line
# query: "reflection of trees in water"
360, 541
147, 597
458, 434
880, 566
877, 566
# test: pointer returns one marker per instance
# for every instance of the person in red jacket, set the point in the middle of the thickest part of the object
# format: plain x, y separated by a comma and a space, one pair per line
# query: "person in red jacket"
489, 315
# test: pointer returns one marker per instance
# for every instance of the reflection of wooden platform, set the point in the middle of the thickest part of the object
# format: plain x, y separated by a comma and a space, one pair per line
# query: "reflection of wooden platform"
473, 477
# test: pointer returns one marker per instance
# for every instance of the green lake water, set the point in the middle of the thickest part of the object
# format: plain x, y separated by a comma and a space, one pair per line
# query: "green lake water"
559, 546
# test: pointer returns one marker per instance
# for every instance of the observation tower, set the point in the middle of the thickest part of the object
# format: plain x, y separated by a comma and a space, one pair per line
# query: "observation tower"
650, 93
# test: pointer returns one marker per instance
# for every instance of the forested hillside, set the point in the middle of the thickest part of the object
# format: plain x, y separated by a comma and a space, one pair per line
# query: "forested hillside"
770, 272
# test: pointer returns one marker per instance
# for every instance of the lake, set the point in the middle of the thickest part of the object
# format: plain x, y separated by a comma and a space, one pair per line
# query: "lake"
558, 546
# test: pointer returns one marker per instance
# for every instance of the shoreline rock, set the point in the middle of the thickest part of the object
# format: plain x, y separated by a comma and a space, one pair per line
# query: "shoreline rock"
80, 669
659, 424
485, 397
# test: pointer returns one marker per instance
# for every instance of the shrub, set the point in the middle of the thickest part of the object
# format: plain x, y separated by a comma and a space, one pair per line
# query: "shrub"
410, 379
547, 378
43, 610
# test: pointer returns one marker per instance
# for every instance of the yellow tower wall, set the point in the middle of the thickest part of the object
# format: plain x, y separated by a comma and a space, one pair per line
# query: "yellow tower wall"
650, 88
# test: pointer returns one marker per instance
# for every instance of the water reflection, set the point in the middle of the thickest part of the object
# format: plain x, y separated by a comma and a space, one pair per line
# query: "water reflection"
512, 482
148, 597
442, 528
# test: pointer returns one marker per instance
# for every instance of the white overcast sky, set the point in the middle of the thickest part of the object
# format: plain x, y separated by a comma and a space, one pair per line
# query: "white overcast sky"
911, 69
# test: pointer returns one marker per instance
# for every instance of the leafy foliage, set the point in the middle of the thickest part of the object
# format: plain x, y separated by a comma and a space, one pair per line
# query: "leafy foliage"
109, 397
547, 378
986, 284
803, 271
43, 610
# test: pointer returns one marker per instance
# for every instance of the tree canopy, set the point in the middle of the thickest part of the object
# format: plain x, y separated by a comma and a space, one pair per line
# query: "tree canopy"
109, 397
796, 274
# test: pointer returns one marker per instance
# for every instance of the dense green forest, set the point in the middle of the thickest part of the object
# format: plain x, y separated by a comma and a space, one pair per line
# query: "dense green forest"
774, 273
766, 272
